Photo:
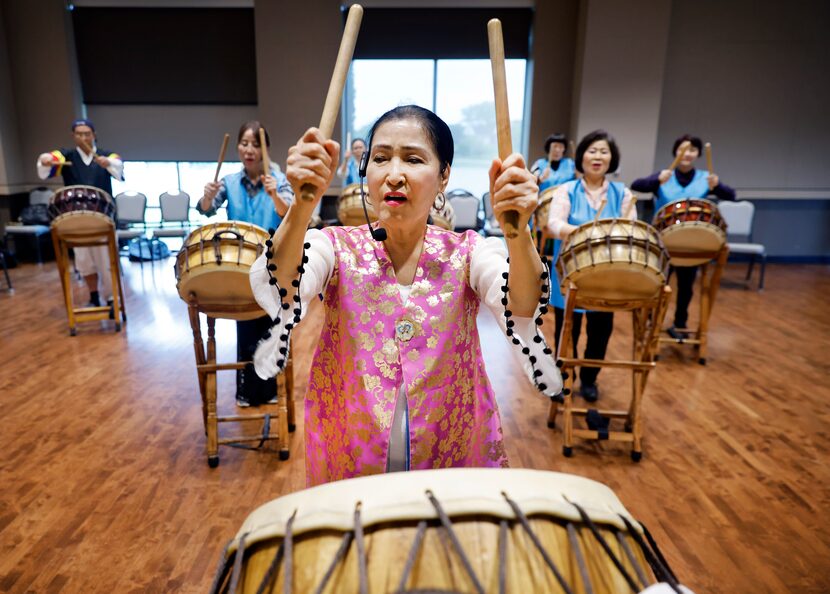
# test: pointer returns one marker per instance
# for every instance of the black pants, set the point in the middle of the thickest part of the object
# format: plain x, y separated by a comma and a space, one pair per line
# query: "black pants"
248, 383
600, 324
685, 289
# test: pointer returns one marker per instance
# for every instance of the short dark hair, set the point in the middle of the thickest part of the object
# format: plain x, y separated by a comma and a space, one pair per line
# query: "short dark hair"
356, 140
436, 129
254, 126
693, 139
556, 137
590, 139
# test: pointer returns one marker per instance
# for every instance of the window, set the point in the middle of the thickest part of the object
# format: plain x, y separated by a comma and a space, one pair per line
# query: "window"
459, 91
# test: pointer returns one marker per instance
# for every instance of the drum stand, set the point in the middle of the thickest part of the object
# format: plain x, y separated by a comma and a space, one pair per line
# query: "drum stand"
647, 316
206, 368
89, 314
709, 285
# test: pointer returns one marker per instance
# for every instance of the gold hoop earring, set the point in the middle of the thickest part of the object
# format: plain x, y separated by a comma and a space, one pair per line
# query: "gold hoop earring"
443, 198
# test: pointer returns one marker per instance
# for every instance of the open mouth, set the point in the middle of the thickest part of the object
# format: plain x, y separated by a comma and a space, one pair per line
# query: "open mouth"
394, 198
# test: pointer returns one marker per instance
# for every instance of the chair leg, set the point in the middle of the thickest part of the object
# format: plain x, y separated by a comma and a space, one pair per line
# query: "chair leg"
6, 270
763, 268
751, 266
37, 248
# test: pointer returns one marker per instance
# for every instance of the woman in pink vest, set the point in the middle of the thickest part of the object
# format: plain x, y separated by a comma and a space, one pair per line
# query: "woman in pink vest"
398, 380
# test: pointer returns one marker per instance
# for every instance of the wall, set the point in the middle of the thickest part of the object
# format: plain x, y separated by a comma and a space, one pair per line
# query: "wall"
757, 88
10, 162
621, 57
551, 71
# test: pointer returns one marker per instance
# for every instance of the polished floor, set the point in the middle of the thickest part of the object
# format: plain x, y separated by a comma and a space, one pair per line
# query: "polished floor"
104, 485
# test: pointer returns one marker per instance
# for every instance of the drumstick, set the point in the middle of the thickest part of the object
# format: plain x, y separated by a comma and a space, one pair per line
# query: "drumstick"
338, 81
511, 217
572, 149
632, 206
266, 160
599, 210
349, 140
681, 151
221, 156
708, 148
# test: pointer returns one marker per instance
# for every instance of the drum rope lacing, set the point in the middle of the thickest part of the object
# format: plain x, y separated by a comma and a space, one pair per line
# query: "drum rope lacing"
284, 553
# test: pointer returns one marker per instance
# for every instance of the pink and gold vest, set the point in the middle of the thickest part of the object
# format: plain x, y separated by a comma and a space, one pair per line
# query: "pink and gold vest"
371, 344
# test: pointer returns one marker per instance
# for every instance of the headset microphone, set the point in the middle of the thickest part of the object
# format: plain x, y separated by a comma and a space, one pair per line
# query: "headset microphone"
378, 234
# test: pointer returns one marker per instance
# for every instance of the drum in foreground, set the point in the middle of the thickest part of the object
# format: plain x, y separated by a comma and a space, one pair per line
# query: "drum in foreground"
614, 260
213, 264
542, 212
690, 227
80, 212
452, 530
443, 217
350, 207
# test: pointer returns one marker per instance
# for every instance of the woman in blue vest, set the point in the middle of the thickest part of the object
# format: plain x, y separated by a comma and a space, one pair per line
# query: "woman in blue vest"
669, 186
556, 169
348, 170
262, 198
575, 203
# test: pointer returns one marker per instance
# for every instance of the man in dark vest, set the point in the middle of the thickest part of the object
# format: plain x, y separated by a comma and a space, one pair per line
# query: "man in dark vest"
87, 165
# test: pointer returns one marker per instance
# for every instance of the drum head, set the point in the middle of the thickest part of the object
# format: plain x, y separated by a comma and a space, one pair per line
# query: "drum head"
688, 238
213, 267
350, 207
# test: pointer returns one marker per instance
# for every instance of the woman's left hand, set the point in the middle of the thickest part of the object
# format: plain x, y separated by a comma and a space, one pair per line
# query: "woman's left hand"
513, 187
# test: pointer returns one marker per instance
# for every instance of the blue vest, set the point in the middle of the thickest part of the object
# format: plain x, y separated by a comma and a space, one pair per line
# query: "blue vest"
258, 209
672, 191
352, 175
582, 212
565, 173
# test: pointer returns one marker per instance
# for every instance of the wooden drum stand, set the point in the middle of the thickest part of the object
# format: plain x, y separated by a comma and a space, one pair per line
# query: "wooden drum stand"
62, 243
647, 318
709, 284
206, 368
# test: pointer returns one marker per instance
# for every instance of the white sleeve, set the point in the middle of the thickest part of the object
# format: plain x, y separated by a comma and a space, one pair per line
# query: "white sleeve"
489, 279
116, 168
286, 307
43, 170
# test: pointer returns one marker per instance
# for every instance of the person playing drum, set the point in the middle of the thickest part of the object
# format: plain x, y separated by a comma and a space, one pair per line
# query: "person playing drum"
398, 380
351, 160
261, 198
670, 186
575, 203
556, 169
86, 164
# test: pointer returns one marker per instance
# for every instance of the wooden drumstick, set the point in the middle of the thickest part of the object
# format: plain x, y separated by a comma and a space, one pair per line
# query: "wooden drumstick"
338, 81
266, 160
496, 41
681, 151
221, 157
599, 210
708, 148
631, 207
572, 149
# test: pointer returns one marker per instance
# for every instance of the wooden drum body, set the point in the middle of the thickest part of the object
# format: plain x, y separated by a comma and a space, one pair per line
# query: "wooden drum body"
690, 227
543, 210
614, 260
81, 212
445, 217
350, 207
451, 530
213, 265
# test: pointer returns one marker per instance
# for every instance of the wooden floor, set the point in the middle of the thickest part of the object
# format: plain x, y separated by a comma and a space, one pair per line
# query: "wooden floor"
104, 485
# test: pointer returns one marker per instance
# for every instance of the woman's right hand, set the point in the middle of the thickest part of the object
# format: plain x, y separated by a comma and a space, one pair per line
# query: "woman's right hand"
664, 176
211, 189
312, 161
47, 160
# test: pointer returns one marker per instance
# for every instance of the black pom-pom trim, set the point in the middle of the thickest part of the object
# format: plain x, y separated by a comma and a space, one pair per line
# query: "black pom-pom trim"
269, 243
516, 341
539, 321
271, 230
300, 269
537, 339
305, 259
507, 313
545, 275
306, 245
283, 350
289, 327
272, 267
297, 311
295, 283
267, 335
565, 375
285, 306
269, 254
560, 363
280, 363
283, 336
547, 351
537, 373
566, 391
504, 300
510, 323
296, 319
283, 293
525, 351
504, 275
272, 280
532, 359
296, 298
509, 332
543, 387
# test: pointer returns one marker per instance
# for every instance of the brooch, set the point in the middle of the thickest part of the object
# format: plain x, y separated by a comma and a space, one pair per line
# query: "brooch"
404, 330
